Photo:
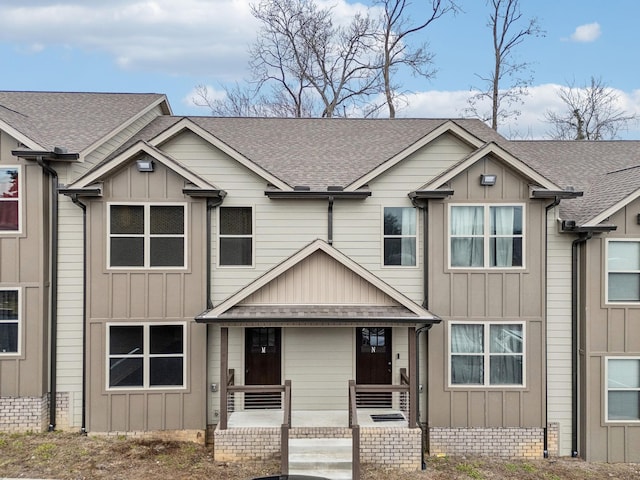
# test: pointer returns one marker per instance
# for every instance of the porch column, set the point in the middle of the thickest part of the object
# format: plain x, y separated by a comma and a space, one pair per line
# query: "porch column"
224, 374
413, 379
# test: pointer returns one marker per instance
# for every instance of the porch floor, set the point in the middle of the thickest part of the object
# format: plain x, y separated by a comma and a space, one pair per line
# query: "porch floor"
313, 418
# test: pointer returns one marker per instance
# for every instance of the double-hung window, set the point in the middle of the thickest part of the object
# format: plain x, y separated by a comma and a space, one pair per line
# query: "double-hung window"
400, 236
147, 235
623, 389
236, 236
9, 321
10, 197
486, 236
623, 271
486, 354
146, 355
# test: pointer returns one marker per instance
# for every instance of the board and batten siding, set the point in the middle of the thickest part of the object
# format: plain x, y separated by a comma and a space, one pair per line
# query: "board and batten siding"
70, 276
24, 264
158, 295
606, 330
559, 397
512, 295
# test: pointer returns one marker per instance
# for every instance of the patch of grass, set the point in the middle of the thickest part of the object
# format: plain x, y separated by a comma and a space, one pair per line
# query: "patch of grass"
527, 467
470, 470
45, 451
511, 467
552, 476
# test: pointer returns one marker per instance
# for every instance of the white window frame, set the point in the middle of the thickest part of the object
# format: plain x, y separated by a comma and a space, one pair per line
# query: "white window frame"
416, 237
19, 198
607, 389
607, 271
252, 237
18, 352
486, 235
486, 354
147, 235
147, 355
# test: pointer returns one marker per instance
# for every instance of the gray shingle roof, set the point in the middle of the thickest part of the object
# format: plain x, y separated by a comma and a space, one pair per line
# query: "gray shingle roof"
606, 171
319, 152
70, 120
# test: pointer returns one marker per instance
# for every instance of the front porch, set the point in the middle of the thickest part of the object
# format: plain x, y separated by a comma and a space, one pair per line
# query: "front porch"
377, 426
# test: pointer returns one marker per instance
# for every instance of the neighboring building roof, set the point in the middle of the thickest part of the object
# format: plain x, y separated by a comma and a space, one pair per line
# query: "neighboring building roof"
75, 121
608, 172
320, 152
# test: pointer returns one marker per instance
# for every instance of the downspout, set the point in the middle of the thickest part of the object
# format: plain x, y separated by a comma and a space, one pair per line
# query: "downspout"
330, 221
583, 238
425, 328
74, 199
545, 448
53, 292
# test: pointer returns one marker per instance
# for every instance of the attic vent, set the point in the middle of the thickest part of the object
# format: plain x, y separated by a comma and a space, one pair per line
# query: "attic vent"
302, 188
334, 188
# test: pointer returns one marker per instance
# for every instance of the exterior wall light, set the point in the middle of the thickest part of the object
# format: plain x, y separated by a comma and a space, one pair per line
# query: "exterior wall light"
144, 165
488, 180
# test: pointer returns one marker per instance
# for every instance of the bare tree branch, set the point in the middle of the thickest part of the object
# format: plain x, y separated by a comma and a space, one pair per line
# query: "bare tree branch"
505, 19
395, 28
591, 113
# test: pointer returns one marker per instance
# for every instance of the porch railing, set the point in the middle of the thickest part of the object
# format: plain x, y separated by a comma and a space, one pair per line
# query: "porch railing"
355, 431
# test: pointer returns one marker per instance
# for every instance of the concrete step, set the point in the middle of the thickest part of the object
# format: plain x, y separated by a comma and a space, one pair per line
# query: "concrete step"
323, 457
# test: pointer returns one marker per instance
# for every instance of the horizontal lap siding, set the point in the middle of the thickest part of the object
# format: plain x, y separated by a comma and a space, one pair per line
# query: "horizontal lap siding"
559, 331
319, 363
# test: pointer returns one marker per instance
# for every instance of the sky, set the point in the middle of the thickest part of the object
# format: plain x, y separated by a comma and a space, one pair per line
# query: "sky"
171, 46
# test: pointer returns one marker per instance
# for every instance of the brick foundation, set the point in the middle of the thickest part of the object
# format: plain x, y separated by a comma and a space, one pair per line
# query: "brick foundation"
24, 414
392, 447
495, 442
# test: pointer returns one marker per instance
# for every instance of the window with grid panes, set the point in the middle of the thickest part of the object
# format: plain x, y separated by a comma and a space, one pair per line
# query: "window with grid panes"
147, 235
146, 356
236, 236
9, 321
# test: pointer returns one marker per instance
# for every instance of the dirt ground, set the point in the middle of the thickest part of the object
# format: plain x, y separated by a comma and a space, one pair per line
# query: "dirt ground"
75, 457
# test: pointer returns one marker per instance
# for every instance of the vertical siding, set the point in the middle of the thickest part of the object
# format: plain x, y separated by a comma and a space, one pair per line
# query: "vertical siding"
559, 331
487, 295
24, 264
71, 251
146, 295
607, 330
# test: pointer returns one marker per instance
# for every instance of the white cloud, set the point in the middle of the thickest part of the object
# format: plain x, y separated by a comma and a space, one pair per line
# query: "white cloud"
586, 33
201, 38
531, 122
189, 37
